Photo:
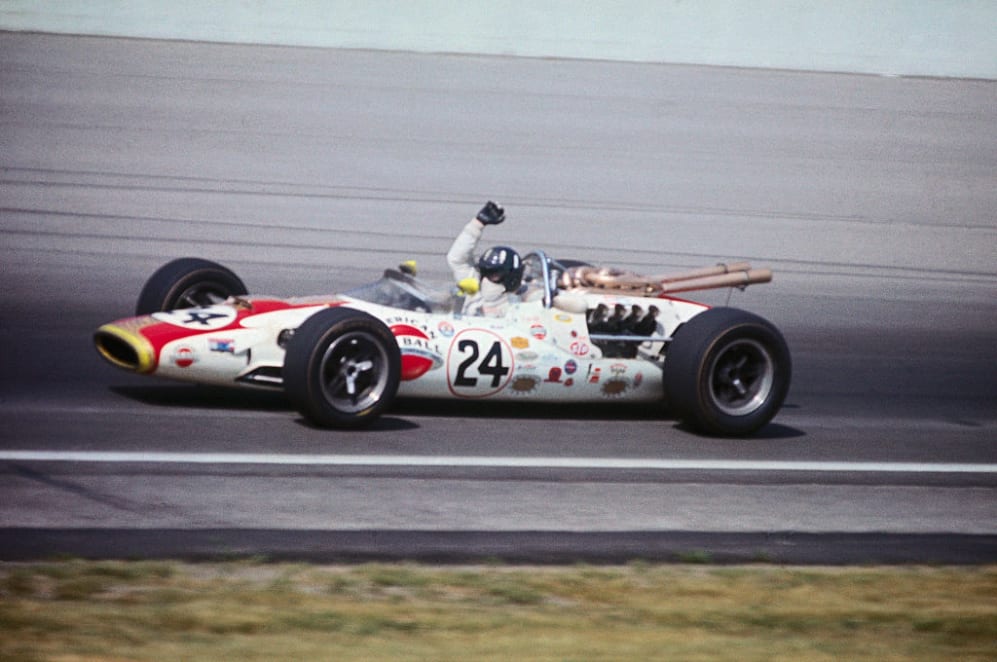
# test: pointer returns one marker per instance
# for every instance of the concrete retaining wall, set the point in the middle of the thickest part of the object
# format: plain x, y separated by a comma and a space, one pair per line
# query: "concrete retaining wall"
894, 37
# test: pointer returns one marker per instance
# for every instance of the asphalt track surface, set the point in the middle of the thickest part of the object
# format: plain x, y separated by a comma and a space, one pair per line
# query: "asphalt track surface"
310, 171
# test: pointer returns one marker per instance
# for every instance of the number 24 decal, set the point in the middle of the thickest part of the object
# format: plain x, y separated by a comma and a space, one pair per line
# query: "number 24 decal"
490, 365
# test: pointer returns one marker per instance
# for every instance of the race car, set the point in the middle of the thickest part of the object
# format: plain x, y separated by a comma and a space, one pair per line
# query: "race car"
574, 333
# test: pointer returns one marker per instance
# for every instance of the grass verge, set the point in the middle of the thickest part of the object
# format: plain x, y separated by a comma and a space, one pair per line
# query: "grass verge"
73, 611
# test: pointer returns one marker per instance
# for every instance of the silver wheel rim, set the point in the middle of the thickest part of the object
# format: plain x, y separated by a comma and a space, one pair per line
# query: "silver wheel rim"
202, 295
354, 372
741, 377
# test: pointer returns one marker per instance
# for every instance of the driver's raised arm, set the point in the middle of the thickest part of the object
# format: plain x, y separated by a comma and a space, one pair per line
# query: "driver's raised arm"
460, 257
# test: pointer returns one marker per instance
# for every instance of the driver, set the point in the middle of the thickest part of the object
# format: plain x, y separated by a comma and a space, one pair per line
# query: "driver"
499, 271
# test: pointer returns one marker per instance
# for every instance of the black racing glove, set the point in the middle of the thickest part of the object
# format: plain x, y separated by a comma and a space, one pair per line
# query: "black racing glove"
491, 214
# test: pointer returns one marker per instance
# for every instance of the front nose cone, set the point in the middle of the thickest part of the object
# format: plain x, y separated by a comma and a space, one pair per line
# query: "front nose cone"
125, 349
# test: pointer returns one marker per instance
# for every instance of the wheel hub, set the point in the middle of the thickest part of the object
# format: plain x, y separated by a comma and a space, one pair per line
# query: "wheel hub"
742, 375
352, 378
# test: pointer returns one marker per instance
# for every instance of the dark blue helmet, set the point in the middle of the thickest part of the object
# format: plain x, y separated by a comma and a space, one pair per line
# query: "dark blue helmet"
501, 264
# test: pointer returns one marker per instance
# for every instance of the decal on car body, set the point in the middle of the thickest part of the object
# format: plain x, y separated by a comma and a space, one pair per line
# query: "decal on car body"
525, 384
184, 357
479, 364
615, 387
223, 345
211, 318
419, 355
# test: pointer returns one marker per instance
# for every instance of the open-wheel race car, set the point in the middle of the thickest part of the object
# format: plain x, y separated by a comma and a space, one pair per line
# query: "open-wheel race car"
574, 333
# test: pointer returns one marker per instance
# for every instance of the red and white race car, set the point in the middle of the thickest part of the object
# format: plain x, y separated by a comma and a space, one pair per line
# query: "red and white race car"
575, 333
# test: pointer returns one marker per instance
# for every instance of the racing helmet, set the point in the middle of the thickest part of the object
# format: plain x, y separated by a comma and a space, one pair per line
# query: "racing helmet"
501, 264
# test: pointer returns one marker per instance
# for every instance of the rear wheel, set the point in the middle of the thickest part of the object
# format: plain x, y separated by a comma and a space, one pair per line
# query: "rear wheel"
342, 368
188, 282
727, 372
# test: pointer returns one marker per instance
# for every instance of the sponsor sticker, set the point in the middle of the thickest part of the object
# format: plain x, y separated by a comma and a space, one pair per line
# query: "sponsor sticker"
519, 342
184, 357
412, 325
615, 387
446, 329
223, 345
418, 355
524, 384
417, 362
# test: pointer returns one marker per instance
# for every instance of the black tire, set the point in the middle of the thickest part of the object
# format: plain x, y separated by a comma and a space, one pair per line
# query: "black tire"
188, 282
337, 351
727, 372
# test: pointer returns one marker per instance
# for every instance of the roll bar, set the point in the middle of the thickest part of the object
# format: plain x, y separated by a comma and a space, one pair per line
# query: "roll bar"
548, 298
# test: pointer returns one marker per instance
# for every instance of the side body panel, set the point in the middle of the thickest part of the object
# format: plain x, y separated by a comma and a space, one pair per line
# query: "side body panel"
533, 353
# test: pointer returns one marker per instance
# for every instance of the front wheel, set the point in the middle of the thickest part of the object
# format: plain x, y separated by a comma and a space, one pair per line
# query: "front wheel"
188, 282
342, 368
727, 372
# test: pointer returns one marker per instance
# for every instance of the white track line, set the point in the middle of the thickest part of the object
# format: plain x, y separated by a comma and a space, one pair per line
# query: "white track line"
111, 457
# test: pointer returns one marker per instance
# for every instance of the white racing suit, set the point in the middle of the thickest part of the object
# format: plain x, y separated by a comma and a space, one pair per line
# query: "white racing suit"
491, 299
